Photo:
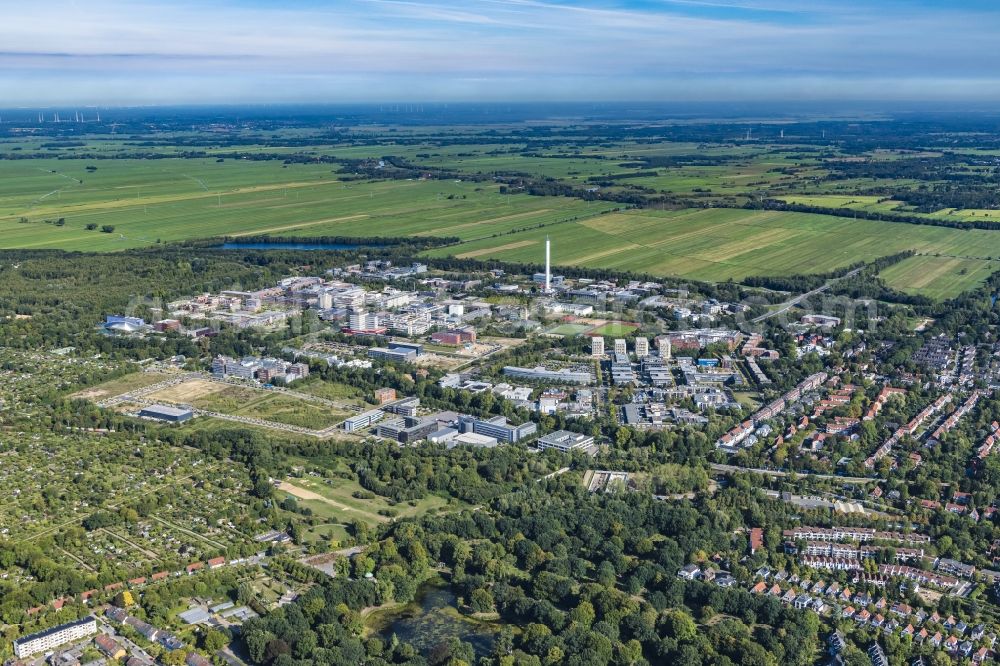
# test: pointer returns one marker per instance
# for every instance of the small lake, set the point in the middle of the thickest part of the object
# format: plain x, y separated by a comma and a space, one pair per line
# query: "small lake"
236, 245
432, 619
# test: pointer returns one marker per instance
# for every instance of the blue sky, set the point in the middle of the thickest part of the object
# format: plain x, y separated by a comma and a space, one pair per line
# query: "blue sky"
115, 52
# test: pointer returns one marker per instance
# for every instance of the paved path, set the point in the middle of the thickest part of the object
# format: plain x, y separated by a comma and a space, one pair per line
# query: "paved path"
778, 473
798, 299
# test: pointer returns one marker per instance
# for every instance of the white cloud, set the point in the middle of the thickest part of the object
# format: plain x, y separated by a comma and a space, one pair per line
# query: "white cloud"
112, 51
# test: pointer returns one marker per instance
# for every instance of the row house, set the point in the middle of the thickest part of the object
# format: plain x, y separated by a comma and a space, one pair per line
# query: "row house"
918, 575
830, 563
956, 416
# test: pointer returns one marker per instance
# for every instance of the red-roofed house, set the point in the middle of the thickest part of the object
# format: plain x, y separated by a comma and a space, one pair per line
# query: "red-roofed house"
216, 562
756, 539
194, 566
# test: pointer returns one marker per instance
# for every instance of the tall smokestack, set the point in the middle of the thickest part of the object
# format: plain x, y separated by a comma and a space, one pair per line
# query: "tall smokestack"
548, 265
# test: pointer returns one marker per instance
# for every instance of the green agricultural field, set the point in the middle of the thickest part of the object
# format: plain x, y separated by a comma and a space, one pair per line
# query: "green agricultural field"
720, 244
874, 204
856, 202
150, 201
939, 277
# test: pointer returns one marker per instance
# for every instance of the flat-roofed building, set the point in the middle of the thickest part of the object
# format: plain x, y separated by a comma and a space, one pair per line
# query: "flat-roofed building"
496, 427
393, 355
544, 374
472, 439
565, 441
597, 346
642, 347
166, 413
46, 640
362, 421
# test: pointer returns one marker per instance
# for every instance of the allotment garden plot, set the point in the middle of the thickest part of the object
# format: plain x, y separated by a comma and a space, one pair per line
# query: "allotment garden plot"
125, 505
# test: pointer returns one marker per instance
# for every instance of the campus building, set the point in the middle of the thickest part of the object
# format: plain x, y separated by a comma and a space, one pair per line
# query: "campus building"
392, 354
362, 421
565, 441
542, 374
496, 427
166, 413
597, 346
454, 337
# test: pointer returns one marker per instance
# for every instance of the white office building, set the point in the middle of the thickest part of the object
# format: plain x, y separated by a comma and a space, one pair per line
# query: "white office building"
364, 321
597, 346
565, 441
620, 346
362, 421
641, 347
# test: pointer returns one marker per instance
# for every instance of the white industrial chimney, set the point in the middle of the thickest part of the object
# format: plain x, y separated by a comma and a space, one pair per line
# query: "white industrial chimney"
548, 265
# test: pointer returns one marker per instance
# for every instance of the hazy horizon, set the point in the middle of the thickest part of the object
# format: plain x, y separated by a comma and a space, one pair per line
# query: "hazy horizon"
155, 52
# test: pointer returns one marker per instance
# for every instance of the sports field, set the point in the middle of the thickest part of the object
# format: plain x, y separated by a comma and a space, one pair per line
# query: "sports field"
569, 330
149, 201
615, 329
721, 244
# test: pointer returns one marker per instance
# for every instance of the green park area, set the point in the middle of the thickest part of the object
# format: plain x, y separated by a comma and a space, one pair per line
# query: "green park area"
342, 501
